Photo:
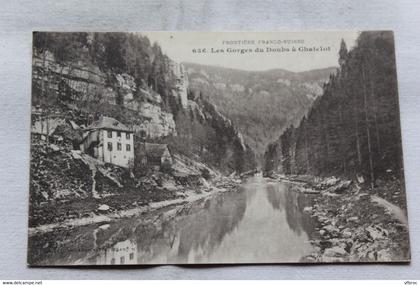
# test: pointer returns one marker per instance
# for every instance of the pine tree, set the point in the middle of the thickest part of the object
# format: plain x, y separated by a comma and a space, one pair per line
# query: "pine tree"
342, 53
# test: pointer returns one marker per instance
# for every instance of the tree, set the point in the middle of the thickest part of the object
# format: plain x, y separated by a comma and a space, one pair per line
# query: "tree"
342, 53
353, 128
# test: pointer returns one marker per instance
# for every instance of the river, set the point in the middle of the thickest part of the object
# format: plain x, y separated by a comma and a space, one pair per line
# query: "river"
263, 221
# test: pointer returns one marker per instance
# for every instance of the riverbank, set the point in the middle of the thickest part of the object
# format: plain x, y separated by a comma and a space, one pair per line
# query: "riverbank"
69, 188
354, 222
132, 209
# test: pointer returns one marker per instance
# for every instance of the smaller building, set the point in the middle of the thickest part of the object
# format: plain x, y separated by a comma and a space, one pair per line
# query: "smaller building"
45, 125
155, 155
109, 141
70, 134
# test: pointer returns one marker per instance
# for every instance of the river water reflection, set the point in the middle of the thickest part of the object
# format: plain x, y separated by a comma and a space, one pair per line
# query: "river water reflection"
263, 222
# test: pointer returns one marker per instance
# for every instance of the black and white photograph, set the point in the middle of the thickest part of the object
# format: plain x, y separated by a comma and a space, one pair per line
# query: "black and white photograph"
215, 148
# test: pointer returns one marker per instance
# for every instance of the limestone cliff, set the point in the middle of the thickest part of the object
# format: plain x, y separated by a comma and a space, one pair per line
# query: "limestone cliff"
82, 83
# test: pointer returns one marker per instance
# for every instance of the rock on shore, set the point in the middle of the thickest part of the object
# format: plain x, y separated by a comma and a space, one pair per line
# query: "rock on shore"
352, 227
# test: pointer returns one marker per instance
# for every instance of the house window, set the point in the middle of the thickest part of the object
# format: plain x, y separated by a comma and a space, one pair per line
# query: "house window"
143, 134
122, 259
119, 146
127, 147
109, 134
119, 134
113, 261
110, 146
127, 136
131, 256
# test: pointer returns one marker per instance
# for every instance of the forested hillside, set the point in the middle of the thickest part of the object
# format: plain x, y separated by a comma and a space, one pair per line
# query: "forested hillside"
261, 103
353, 129
203, 132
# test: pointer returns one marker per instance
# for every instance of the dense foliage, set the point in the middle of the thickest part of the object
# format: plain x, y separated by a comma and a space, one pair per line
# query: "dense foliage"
354, 128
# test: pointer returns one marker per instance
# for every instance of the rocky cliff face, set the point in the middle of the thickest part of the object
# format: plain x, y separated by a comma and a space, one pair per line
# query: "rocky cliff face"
181, 82
79, 83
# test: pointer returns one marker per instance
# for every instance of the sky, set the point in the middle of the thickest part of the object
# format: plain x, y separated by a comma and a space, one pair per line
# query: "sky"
293, 51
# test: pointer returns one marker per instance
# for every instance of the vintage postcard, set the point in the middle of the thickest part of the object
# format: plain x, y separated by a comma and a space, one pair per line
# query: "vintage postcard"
213, 148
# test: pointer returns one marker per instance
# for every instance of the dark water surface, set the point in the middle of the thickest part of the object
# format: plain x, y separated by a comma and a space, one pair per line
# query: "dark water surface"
263, 221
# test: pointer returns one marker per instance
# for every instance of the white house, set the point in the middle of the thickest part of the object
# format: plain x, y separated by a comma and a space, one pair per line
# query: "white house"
109, 141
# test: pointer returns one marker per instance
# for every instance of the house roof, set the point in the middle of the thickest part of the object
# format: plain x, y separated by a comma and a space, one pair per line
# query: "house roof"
155, 150
109, 124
